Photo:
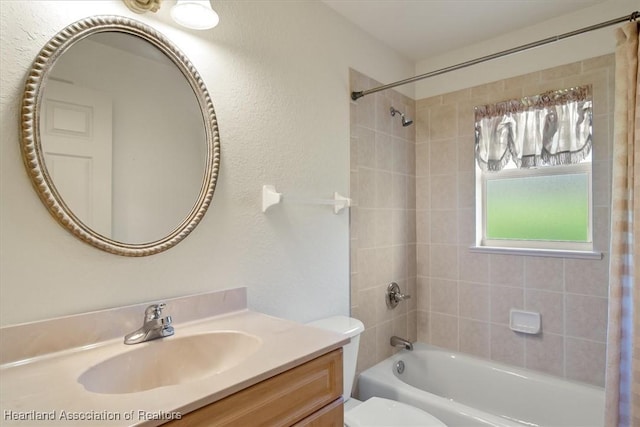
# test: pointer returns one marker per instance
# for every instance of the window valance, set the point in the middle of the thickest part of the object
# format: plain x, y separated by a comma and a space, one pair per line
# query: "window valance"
553, 128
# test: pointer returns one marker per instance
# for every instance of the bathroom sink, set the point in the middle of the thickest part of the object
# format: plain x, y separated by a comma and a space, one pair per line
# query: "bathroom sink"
169, 361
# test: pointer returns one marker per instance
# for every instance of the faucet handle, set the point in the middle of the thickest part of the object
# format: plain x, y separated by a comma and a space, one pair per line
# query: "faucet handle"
154, 311
394, 295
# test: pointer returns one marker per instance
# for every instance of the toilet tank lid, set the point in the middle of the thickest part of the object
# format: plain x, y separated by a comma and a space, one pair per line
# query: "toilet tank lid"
341, 324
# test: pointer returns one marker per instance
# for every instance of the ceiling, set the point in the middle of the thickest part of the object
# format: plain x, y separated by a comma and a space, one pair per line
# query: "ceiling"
421, 29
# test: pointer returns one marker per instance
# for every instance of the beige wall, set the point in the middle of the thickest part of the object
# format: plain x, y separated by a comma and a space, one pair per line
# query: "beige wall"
383, 219
464, 298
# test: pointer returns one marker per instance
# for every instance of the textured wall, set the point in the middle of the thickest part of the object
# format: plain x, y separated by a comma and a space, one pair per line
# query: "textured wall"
464, 298
383, 222
278, 75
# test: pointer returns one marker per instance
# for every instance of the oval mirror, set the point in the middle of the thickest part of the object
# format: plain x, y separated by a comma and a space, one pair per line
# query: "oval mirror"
119, 136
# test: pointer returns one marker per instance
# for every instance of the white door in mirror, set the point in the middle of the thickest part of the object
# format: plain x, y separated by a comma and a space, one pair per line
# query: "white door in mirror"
77, 144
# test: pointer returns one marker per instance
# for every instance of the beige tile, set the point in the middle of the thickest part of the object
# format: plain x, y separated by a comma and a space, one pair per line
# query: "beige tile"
444, 330
366, 147
473, 266
384, 332
475, 338
353, 186
383, 227
601, 144
399, 160
383, 151
550, 305
503, 299
466, 120
410, 148
506, 270
422, 159
399, 265
411, 192
604, 61
367, 350
384, 121
601, 183
586, 361
586, 317
422, 318
366, 112
507, 346
544, 273
423, 294
400, 326
423, 265
423, 193
466, 154
444, 296
428, 102
412, 260
443, 122
353, 153
421, 122
545, 353
444, 191
467, 228
366, 188
383, 313
590, 277
519, 82
383, 190
601, 229
489, 93
423, 226
443, 156
560, 72
411, 227
399, 191
412, 289
367, 268
444, 227
399, 227
466, 190
443, 261
367, 307
383, 266
457, 96
367, 221
412, 326
474, 301
598, 79
354, 219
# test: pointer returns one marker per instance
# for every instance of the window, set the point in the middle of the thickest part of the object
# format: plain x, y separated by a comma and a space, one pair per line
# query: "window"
533, 172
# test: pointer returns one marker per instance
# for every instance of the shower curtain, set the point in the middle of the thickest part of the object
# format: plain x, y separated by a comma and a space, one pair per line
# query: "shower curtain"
622, 386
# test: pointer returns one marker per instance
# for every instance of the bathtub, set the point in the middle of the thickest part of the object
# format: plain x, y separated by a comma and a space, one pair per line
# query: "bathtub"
466, 391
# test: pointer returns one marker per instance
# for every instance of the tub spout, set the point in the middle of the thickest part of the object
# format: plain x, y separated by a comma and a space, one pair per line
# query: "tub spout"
400, 342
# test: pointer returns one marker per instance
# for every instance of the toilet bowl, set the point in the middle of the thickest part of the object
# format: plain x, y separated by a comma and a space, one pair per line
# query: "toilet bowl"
376, 411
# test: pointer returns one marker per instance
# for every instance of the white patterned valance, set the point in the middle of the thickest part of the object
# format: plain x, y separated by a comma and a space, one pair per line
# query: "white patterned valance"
553, 128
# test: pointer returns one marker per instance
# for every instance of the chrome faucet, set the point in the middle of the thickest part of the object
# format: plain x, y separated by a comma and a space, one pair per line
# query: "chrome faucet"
154, 326
400, 342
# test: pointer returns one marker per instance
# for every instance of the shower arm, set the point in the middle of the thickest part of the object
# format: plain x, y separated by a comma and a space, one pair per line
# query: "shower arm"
355, 95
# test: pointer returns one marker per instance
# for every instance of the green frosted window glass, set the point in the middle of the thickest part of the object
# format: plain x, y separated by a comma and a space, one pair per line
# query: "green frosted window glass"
552, 208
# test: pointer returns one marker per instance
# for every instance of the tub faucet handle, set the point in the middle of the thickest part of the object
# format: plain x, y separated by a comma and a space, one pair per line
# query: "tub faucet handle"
394, 295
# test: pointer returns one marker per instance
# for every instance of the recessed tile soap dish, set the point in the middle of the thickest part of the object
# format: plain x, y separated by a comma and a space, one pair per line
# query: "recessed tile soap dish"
527, 322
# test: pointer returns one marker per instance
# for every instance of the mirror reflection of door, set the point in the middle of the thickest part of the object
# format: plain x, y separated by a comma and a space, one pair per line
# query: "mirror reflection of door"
77, 146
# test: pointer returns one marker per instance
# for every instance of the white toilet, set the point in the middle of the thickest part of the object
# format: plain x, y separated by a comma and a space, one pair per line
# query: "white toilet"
375, 411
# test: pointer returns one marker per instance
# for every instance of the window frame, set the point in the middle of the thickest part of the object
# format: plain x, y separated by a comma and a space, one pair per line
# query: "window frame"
533, 247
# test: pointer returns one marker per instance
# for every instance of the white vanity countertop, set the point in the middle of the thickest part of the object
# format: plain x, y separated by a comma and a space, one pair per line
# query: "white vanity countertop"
44, 390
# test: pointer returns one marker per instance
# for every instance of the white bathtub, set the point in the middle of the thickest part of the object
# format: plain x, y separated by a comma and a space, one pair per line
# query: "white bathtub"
465, 391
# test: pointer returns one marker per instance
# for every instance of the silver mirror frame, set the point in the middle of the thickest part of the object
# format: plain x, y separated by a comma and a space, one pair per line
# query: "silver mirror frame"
31, 147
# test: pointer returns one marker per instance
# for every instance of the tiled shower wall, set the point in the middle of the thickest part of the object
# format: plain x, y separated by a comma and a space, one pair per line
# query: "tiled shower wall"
383, 218
463, 297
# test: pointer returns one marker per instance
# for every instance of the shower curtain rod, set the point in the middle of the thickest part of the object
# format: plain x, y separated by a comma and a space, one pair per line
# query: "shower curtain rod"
632, 17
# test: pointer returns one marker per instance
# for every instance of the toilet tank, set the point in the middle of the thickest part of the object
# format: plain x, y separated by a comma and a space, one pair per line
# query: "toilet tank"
350, 328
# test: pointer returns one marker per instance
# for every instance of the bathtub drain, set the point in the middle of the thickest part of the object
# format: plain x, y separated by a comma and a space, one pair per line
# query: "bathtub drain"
400, 367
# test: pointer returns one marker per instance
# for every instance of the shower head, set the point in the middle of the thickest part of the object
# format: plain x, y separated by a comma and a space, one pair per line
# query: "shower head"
405, 122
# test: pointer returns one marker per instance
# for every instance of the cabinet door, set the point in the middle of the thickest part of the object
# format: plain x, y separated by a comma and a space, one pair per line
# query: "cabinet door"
280, 401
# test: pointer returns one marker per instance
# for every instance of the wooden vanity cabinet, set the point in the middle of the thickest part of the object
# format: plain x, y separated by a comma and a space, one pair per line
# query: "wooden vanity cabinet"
308, 395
